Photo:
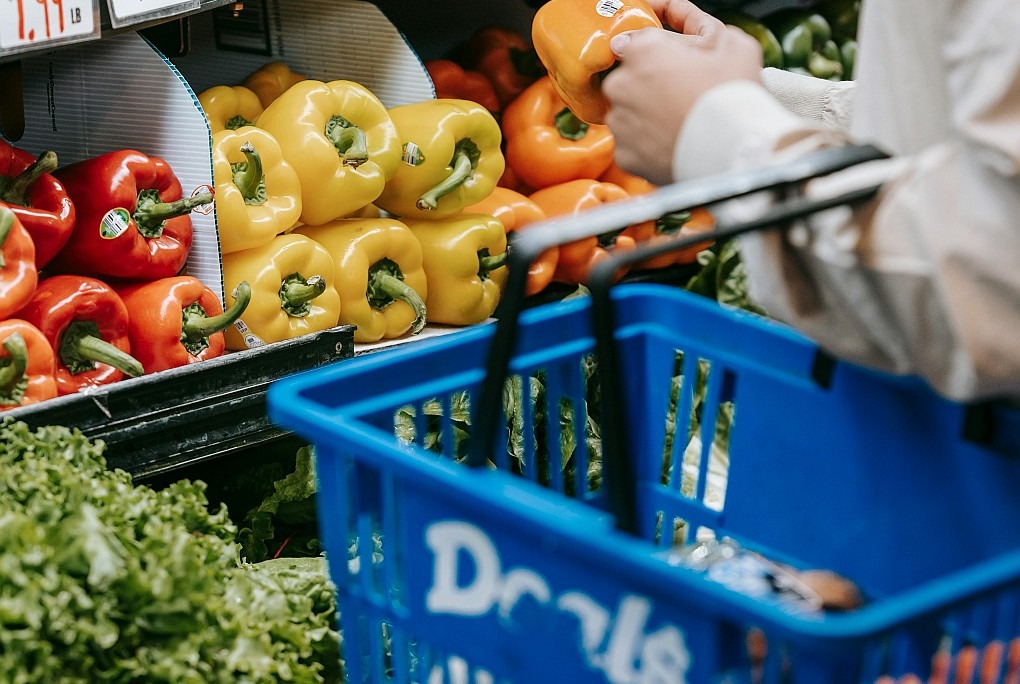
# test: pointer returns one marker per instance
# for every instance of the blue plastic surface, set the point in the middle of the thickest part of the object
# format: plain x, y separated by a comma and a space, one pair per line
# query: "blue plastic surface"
446, 573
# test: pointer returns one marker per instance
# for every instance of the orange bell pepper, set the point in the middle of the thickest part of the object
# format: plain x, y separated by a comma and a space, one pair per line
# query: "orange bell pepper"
505, 57
672, 227
516, 211
546, 144
271, 80
27, 365
451, 80
632, 183
574, 197
572, 37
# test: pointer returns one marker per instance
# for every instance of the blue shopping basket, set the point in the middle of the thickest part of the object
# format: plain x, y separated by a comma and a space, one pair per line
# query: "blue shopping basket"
521, 571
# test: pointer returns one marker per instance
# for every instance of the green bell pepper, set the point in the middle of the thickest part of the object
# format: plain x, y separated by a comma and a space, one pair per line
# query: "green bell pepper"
772, 51
806, 39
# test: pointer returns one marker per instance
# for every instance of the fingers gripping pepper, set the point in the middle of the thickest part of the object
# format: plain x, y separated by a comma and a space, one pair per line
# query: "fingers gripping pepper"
258, 194
572, 40
18, 275
567, 199
229, 107
27, 365
516, 212
271, 80
37, 198
465, 265
292, 291
341, 142
133, 222
451, 158
379, 276
178, 321
86, 323
547, 144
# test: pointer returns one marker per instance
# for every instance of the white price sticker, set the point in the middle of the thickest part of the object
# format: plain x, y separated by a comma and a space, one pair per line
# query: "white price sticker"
124, 11
25, 23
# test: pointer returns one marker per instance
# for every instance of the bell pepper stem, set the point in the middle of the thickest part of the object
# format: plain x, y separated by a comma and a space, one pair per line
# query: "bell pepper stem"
349, 140
487, 263
235, 122
6, 224
297, 293
81, 348
671, 223
15, 190
462, 169
569, 126
197, 327
13, 373
249, 177
385, 285
150, 211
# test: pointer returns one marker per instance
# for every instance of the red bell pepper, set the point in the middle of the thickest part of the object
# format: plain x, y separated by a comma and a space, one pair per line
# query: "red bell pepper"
176, 321
505, 57
452, 81
37, 198
27, 365
132, 222
18, 275
86, 322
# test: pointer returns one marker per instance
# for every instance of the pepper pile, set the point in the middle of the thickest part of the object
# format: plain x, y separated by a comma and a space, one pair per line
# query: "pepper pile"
91, 289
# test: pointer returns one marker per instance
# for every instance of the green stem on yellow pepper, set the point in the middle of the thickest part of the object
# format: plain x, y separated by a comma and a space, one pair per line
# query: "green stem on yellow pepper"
386, 285
297, 293
249, 177
487, 264
349, 140
465, 157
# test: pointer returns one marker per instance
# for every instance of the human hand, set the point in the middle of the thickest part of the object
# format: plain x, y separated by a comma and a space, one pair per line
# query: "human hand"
659, 77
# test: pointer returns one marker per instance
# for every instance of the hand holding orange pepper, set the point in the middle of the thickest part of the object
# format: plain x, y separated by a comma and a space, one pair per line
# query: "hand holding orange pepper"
572, 38
516, 211
547, 144
573, 197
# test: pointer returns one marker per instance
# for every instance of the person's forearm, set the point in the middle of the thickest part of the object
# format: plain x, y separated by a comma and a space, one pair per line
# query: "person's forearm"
827, 102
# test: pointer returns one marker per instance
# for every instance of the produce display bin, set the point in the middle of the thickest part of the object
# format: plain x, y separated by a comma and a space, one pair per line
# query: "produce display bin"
158, 423
518, 571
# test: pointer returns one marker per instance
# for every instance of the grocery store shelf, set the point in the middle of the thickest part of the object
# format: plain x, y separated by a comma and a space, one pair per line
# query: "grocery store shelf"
166, 421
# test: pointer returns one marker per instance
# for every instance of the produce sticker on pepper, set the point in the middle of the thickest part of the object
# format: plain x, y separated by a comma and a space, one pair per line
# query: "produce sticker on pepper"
608, 8
114, 223
411, 154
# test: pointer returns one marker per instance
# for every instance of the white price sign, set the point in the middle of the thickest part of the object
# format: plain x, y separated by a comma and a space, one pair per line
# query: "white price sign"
26, 23
127, 11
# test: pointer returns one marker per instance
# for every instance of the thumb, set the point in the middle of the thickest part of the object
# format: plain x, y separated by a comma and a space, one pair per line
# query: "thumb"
618, 43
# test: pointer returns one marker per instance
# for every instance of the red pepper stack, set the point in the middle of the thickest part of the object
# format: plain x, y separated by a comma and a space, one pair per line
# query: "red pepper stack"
91, 281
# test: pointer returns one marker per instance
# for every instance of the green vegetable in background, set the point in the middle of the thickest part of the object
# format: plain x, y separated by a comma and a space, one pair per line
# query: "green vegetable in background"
806, 39
103, 580
772, 51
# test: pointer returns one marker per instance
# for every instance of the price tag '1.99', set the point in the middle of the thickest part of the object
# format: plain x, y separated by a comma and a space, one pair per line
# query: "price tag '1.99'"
31, 23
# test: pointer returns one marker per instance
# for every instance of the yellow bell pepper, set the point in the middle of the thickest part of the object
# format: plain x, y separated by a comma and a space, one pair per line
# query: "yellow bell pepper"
258, 195
465, 266
451, 158
229, 107
271, 80
292, 291
339, 138
379, 275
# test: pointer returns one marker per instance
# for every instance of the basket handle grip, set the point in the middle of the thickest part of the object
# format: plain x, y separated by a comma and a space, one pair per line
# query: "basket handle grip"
532, 243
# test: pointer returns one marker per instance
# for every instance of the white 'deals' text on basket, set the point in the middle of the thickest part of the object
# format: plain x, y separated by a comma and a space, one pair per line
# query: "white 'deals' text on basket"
617, 643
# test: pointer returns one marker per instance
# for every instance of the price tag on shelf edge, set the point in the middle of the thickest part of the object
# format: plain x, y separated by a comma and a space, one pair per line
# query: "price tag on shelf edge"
31, 23
125, 12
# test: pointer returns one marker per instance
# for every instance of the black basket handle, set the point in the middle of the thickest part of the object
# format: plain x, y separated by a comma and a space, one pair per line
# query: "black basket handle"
677, 197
